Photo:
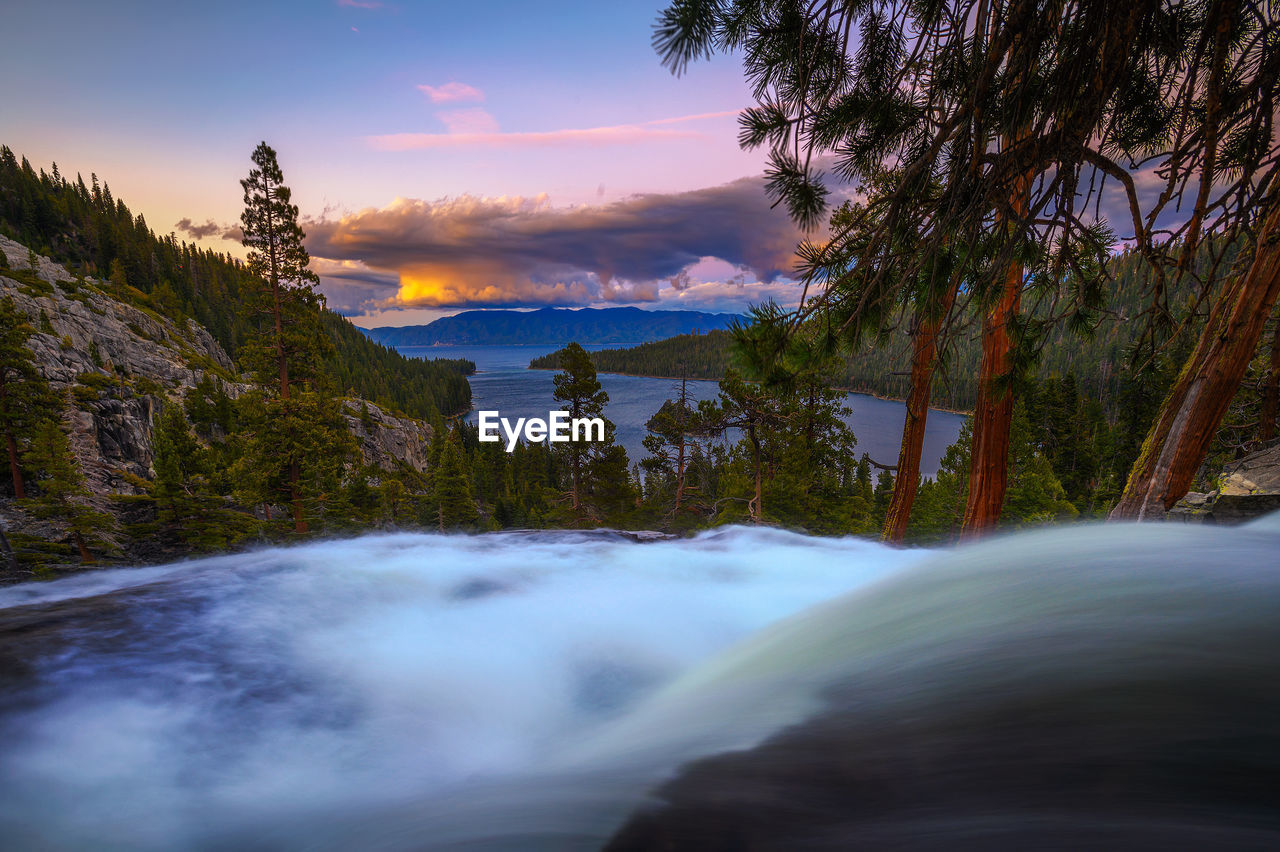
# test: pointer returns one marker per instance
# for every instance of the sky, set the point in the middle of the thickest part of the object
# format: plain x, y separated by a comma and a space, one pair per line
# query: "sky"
444, 156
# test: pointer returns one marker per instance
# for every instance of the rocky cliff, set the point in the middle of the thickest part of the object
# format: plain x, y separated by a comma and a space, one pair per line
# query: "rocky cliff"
117, 363
114, 362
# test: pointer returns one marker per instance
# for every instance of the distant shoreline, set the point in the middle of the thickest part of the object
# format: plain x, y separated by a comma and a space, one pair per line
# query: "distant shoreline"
846, 390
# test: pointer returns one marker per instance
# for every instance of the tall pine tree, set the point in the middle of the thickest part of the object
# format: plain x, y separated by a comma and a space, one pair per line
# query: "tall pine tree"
293, 422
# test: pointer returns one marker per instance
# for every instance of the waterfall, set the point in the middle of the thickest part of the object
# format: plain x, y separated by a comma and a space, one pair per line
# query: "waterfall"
552, 690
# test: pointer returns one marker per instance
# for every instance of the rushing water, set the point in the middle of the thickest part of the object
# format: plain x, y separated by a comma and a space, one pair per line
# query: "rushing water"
526, 691
505, 384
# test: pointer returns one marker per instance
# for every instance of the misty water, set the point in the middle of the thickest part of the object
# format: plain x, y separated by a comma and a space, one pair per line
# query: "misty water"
504, 383
527, 691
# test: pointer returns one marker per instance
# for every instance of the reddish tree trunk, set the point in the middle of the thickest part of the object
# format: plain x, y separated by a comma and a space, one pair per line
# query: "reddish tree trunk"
1190, 416
923, 357
86, 558
1271, 391
993, 413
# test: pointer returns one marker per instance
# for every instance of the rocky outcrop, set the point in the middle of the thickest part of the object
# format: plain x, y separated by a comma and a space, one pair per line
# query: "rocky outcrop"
117, 364
386, 441
1246, 489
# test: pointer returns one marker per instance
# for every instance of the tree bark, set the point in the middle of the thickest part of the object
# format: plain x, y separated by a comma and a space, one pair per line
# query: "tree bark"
923, 357
756, 506
992, 415
993, 412
1190, 416
86, 558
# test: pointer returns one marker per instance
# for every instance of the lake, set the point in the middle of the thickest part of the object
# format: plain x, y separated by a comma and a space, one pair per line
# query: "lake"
504, 383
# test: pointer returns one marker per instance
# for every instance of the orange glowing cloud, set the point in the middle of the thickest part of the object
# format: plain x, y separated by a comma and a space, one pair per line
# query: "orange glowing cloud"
477, 282
515, 251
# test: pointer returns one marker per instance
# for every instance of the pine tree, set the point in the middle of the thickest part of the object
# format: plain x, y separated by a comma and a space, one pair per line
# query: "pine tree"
285, 356
455, 508
62, 495
25, 399
577, 387
673, 431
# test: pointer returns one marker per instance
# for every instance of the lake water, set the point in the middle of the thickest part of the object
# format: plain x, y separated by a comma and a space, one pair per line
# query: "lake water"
503, 382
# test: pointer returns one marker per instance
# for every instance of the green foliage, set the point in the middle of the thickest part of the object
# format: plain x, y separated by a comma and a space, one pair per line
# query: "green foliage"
1103, 361
62, 495
300, 443
83, 227
599, 485
451, 493
190, 512
25, 398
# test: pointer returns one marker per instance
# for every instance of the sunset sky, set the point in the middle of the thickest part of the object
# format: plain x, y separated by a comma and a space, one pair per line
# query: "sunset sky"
444, 155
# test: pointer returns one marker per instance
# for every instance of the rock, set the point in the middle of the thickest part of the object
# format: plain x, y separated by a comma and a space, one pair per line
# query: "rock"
1193, 508
1247, 488
151, 360
386, 441
1250, 487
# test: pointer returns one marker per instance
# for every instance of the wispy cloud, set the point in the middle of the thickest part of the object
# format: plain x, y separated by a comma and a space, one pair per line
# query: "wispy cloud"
507, 252
360, 4
618, 134
452, 93
471, 121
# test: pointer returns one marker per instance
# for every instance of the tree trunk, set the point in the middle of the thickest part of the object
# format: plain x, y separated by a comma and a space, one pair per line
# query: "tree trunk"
993, 413
684, 407
1190, 416
283, 362
86, 558
680, 473
1271, 390
756, 506
19, 491
923, 357
10, 558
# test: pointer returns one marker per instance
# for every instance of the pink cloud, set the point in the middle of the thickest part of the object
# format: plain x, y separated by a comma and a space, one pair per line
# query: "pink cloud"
472, 121
620, 134
451, 93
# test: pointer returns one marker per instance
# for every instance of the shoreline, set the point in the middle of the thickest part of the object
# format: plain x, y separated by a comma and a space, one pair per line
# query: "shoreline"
961, 412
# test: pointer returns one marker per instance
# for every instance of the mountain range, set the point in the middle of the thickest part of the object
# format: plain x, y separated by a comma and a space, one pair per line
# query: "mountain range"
552, 326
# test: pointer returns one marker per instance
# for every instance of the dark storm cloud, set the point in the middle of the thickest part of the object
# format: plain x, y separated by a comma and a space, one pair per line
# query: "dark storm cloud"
523, 251
208, 229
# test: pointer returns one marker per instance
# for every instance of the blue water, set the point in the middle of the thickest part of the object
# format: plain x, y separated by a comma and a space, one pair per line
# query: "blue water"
504, 383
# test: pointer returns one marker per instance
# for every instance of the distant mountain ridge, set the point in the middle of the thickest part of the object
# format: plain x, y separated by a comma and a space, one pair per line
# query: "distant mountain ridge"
552, 326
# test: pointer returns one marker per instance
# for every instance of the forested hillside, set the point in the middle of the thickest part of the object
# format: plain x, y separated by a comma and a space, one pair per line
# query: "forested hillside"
84, 227
1099, 359
552, 325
